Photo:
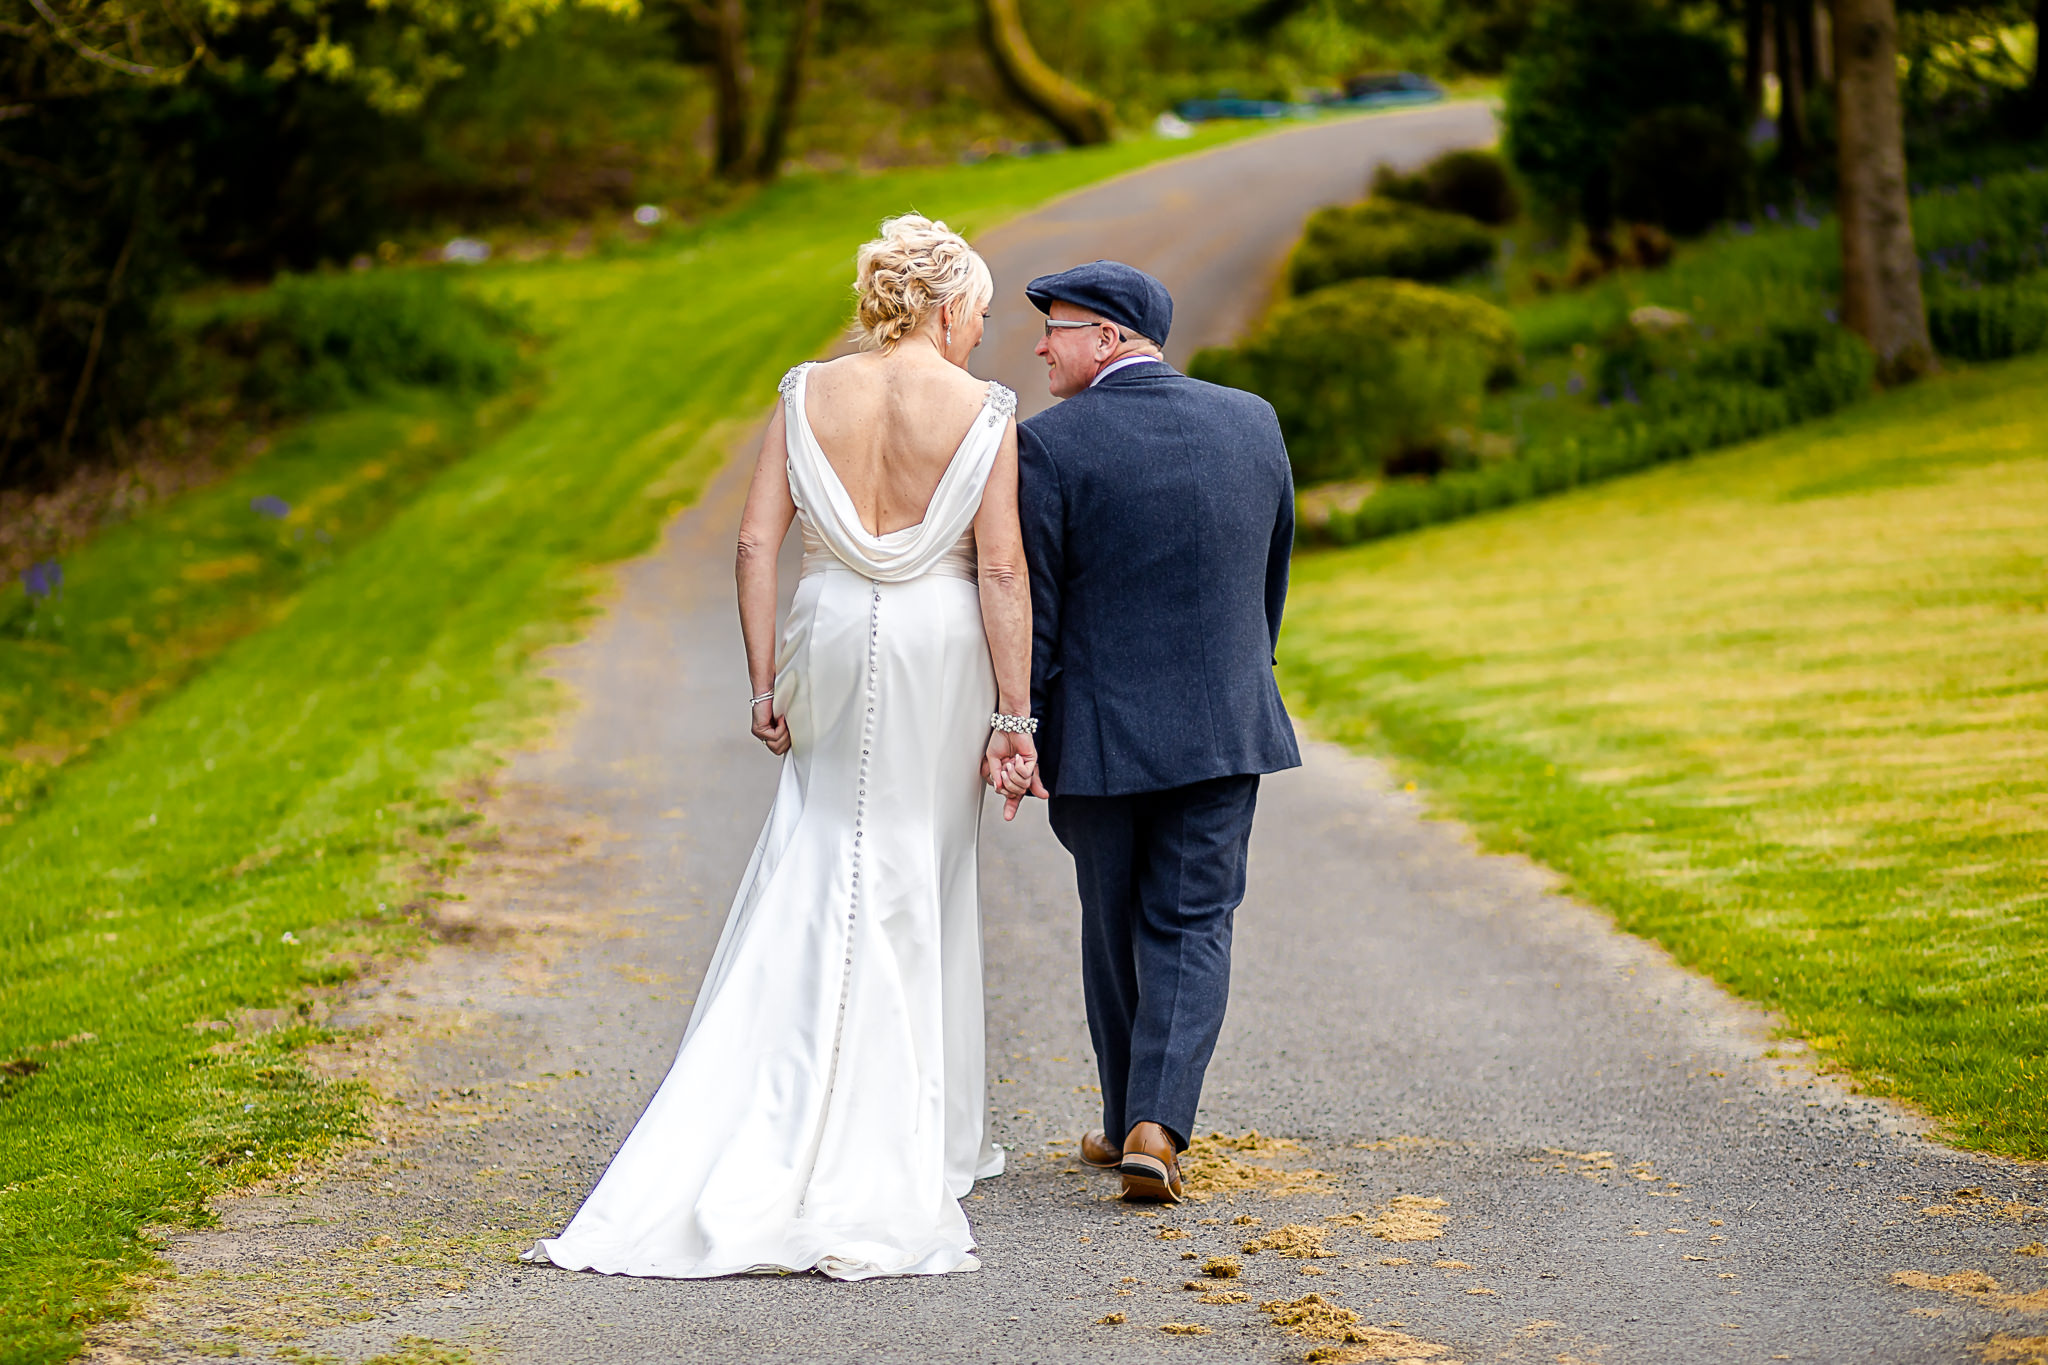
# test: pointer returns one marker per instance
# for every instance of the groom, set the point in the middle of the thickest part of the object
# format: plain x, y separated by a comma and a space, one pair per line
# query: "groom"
1158, 514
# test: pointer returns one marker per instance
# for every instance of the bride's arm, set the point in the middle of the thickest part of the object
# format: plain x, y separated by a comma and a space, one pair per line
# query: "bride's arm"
1006, 617
770, 509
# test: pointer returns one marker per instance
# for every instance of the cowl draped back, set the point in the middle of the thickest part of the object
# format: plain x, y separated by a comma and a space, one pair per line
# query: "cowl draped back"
899, 556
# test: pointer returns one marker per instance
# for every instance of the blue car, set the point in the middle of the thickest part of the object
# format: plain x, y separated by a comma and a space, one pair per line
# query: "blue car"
1386, 90
1231, 106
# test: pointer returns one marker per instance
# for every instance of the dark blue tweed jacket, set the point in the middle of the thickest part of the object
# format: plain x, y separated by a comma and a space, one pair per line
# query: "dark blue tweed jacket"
1158, 515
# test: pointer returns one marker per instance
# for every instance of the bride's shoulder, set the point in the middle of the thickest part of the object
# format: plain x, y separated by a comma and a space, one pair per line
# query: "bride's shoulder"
791, 377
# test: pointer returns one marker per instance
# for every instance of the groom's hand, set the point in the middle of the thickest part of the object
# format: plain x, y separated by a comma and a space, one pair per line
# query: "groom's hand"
1021, 780
1011, 767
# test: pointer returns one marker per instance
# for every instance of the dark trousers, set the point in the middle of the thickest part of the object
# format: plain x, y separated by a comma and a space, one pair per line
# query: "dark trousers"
1161, 875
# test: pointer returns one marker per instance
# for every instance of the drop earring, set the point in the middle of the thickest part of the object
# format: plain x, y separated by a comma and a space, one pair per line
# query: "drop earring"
949, 334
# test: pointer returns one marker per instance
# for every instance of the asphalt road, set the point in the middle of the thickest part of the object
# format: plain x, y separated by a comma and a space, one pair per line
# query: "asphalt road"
1630, 1169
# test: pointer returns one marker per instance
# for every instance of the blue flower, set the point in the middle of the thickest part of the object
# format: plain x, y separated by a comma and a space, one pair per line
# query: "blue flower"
1771, 212
43, 579
1832, 316
1744, 228
1576, 384
270, 505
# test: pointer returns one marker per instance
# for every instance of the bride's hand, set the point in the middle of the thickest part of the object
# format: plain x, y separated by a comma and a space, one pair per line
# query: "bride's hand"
771, 729
1011, 767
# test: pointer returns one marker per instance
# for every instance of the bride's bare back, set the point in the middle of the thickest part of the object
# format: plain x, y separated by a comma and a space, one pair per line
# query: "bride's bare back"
889, 425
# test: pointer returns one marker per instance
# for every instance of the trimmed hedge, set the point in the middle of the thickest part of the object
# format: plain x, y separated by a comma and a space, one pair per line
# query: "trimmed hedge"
1385, 237
1993, 322
1369, 372
1733, 392
1472, 182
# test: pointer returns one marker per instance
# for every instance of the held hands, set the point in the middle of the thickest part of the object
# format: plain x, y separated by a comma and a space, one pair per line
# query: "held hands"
1011, 767
771, 729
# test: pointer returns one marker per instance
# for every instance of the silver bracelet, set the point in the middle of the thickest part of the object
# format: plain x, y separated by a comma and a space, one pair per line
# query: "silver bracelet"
765, 696
1016, 725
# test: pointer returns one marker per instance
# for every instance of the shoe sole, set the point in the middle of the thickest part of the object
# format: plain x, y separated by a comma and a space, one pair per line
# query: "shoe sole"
1147, 1180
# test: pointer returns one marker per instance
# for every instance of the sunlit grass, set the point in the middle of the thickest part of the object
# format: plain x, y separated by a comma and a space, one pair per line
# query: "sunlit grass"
240, 837
1784, 709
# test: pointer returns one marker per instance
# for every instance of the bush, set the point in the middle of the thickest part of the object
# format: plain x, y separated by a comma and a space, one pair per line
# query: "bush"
1589, 72
1386, 237
1370, 372
1683, 169
311, 341
1473, 183
1993, 322
1732, 392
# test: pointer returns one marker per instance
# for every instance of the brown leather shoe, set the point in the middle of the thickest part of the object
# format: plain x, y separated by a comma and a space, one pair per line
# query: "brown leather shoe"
1151, 1167
1098, 1151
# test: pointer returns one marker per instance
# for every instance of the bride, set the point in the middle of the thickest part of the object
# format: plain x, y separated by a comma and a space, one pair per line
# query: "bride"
826, 1110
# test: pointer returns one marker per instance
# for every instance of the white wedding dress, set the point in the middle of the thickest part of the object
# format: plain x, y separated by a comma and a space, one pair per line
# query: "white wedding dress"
826, 1110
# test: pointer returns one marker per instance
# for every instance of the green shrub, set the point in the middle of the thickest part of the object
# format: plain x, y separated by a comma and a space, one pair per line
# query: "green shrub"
1733, 391
1369, 372
1991, 322
1589, 72
1682, 168
312, 341
1386, 237
1473, 182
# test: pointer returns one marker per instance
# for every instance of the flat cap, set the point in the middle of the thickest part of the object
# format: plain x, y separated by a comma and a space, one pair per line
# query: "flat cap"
1123, 294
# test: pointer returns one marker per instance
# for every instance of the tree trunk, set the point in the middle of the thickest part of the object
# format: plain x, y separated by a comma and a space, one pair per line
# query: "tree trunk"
1806, 23
1793, 138
1082, 118
1880, 270
733, 85
789, 89
1753, 61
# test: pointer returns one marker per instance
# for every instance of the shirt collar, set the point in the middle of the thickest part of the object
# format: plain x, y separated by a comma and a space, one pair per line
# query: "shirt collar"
1125, 363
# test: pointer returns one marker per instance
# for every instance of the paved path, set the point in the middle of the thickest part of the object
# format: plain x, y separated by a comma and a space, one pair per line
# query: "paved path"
1629, 1173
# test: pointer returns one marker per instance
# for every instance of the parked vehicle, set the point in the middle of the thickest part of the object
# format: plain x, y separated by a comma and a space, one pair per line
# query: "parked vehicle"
1232, 106
1387, 89
1373, 90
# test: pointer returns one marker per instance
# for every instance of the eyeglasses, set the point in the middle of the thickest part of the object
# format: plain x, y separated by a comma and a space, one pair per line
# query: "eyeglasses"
1055, 325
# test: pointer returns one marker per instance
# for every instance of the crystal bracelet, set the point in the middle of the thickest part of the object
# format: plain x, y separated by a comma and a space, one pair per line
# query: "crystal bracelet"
765, 696
1016, 725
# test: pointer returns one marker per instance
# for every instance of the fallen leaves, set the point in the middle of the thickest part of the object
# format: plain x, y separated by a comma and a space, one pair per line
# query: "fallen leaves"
1975, 1286
1184, 1329
1406, 1218
1224, 1296
1110, 1320
1314, 1316
2017, 1350
1221, 1267
1211, 1166
1294, 1239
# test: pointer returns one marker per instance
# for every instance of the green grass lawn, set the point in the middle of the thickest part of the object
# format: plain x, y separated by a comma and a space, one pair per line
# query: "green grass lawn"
300, 707
1783, 709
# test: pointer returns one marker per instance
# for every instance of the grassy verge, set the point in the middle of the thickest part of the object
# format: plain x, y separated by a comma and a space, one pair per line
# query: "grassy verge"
236, 842
1783, 709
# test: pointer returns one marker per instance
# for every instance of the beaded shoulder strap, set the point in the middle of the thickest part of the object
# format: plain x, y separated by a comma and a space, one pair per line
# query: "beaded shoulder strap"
1002, 403
788, 383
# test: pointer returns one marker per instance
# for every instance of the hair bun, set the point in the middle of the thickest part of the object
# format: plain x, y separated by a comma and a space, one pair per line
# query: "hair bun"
916, 267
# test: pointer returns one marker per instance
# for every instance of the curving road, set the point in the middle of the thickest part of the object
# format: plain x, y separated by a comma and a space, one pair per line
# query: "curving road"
1630, 1171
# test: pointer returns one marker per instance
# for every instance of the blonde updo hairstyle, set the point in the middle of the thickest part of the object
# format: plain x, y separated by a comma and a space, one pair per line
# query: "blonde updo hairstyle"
906, 275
